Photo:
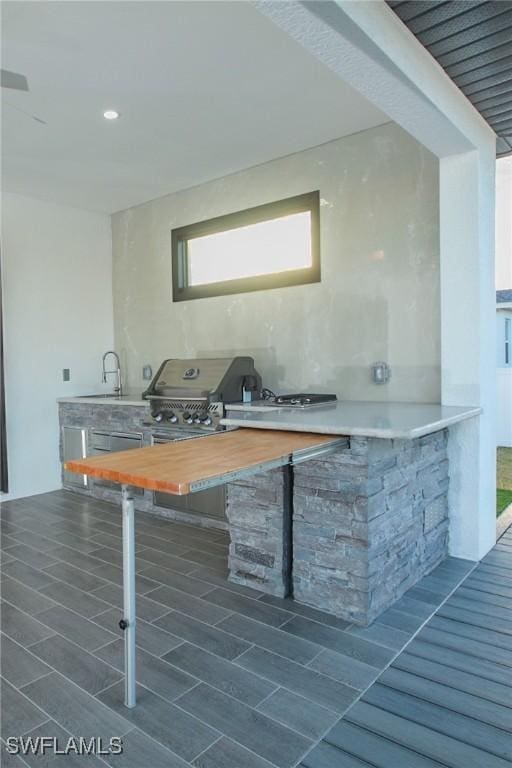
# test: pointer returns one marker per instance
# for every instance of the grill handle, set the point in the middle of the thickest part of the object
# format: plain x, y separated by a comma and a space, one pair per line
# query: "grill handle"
177, 397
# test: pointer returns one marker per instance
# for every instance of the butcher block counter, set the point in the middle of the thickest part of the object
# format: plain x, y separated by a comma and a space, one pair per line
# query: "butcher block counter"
192, 465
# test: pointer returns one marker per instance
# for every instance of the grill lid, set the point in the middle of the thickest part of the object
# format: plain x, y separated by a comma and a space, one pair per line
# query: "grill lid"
215, 378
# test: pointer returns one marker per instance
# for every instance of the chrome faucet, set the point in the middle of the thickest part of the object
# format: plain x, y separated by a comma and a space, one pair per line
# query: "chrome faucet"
118, 390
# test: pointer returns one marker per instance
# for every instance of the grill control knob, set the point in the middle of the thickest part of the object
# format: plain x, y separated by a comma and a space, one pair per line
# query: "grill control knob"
197, 419
158, 416
205, 419
187, 418
172, 418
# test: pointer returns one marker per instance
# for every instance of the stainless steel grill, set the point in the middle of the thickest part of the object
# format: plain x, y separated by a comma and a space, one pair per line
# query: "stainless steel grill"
188, 400
193, 392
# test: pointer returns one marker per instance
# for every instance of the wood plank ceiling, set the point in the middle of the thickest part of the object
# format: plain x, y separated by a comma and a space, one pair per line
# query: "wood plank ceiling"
472, 41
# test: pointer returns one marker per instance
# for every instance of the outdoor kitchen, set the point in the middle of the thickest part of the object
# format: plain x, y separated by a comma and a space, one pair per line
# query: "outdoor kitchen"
248, 384
347, 526
348, 532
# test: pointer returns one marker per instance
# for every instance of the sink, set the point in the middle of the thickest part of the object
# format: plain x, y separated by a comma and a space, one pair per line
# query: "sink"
109, 396
114, 396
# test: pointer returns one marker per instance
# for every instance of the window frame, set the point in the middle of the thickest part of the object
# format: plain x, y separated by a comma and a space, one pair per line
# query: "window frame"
261, 213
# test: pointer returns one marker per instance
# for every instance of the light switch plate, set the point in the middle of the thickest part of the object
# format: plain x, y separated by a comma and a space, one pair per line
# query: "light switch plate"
66, 375
147, 372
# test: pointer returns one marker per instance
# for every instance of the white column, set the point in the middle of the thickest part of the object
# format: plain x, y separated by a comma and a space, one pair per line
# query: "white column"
468, 358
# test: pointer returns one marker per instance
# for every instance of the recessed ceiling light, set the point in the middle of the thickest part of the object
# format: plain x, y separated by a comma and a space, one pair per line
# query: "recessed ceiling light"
110, 114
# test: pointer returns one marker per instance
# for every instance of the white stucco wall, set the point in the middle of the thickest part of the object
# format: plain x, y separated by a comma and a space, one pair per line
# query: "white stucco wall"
504, 224
57, 295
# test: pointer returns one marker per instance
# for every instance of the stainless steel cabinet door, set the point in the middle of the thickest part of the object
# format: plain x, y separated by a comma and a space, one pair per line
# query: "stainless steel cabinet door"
74, 446
211, 502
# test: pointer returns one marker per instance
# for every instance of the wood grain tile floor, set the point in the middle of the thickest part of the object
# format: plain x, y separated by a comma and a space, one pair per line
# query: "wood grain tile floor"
446, 699
228, 678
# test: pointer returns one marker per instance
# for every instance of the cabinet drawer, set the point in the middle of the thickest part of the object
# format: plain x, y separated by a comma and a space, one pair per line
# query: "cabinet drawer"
100, 440
125, 442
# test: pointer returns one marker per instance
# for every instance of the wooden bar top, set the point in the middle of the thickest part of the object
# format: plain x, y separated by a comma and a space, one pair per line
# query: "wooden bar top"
175, 467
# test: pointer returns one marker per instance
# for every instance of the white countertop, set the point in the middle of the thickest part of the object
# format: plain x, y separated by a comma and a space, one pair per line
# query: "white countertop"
132, 398
357, 419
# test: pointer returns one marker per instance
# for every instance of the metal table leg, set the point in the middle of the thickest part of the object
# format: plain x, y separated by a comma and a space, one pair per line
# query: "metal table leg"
129, 620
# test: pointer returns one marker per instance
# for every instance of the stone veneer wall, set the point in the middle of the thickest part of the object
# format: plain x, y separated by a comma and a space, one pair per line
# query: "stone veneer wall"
259, 517
369, 522
109, 416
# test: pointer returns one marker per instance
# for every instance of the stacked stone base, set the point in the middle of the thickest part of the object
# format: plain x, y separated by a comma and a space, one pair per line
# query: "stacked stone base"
259, 517
368, 522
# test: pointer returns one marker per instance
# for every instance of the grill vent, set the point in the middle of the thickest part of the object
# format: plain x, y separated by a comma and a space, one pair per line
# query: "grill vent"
180, 405
187, 405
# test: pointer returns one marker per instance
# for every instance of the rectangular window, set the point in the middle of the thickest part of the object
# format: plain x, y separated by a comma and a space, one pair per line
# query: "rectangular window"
508, 340
271, 246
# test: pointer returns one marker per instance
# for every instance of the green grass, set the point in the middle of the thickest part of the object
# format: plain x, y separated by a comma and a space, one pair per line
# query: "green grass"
503, 479
503, 499
504, 468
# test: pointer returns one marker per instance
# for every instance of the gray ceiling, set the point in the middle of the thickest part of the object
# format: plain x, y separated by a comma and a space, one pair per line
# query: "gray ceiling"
472, 41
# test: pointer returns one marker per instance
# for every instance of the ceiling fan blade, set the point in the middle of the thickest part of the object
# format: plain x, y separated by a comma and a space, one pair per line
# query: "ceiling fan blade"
13, 80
